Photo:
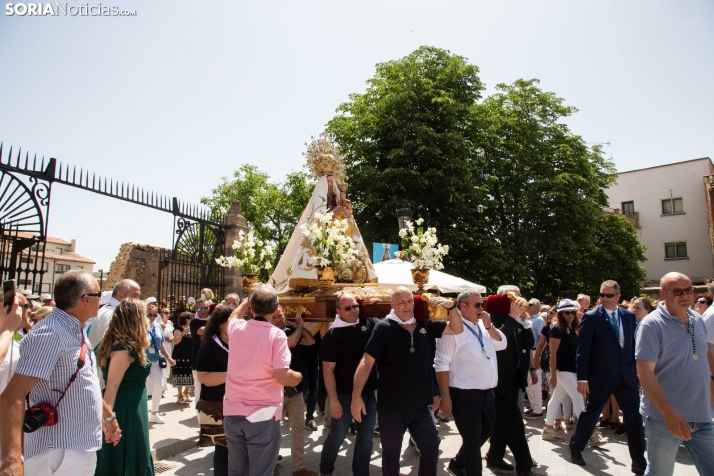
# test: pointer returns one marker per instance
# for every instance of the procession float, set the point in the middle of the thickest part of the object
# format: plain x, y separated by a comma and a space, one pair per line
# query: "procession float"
327, 255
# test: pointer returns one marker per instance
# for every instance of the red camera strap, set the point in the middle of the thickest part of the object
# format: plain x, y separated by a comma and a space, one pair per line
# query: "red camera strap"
80, 363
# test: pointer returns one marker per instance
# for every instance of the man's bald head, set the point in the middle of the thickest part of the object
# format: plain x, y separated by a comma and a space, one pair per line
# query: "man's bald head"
126, 289
345, 299
403, 303
669, 279
677, 292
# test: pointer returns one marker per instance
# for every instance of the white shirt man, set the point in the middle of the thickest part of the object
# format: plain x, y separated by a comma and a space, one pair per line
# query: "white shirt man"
467, 371
124, 289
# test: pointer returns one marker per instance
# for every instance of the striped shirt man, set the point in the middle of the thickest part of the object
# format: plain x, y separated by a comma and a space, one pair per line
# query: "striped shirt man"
50, 353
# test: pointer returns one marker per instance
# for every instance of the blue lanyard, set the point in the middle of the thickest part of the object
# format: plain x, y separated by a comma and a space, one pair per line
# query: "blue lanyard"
479, 336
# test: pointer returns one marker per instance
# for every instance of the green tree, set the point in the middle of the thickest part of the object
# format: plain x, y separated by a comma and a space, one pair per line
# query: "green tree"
407, 141
514, 193
272, 210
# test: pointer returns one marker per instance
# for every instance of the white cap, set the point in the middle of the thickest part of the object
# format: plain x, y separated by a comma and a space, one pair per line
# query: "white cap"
150, 300
191, 300
106, 296
46, 297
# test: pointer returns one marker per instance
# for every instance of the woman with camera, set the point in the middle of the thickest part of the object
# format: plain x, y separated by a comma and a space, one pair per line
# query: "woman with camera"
122, 356
212, 365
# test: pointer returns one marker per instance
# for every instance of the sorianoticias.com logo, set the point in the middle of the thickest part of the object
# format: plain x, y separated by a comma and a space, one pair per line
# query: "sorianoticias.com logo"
64, 9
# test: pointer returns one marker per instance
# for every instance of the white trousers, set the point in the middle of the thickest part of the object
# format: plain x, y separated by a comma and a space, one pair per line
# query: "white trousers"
567, 385
62, 462
154, 385
196, 386
535, 393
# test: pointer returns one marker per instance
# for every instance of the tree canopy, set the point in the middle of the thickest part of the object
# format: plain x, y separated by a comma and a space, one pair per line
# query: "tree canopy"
272, 210
514, 193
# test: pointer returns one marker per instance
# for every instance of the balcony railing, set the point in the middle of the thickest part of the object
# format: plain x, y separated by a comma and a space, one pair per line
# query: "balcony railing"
632, 217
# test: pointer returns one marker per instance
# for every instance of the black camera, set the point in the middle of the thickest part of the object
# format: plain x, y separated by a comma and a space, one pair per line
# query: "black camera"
37, 416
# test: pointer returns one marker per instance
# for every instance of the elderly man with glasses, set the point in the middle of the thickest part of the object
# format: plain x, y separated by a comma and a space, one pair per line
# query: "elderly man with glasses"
605, 366
675, 368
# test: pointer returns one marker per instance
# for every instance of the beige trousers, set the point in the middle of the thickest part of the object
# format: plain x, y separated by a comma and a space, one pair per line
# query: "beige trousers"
294, 408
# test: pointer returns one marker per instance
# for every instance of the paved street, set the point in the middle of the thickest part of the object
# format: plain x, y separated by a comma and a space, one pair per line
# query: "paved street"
179, 433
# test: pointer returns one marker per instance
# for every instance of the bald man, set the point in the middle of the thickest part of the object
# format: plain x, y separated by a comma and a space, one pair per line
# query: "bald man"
124, 289
402, 348
675, 368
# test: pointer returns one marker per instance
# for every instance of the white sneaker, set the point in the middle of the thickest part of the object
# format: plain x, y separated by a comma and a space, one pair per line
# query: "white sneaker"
155, 418
597, 439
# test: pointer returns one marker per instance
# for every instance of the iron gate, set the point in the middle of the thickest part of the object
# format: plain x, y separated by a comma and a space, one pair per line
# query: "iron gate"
25, 188
191, 264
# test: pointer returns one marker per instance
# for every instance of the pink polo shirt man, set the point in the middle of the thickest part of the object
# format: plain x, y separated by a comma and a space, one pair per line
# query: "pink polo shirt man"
257, 347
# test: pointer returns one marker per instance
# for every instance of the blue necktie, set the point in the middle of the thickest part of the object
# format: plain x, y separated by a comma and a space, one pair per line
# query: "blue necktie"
615, 324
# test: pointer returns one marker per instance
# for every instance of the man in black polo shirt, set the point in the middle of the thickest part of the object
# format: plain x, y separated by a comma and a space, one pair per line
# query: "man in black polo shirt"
342, 350
403, 348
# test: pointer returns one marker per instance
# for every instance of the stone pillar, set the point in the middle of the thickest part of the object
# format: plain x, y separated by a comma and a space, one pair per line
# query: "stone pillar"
709, 193
234, 224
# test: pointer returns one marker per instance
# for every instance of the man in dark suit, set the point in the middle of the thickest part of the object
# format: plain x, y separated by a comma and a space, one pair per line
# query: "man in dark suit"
605, 365
514, 368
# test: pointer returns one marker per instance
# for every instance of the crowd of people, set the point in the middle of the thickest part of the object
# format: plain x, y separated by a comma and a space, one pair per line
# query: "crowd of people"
76, 376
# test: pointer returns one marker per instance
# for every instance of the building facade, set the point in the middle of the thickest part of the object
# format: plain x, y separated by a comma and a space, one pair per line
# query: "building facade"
60, 257
670, 207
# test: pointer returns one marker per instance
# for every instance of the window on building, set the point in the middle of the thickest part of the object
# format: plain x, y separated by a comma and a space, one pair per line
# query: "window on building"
672, 206
80, 267
628, 208
676, 250
44, 266
62, 268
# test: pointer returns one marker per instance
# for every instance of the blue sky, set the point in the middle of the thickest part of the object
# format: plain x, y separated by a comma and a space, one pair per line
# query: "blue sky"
185, 92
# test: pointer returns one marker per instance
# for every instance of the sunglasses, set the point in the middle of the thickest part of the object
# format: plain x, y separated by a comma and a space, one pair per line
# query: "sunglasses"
165, 312
199, 309
569, 313
97, 294
478, 305
152, 315
349, 308
679, 292
608, 295
702, 302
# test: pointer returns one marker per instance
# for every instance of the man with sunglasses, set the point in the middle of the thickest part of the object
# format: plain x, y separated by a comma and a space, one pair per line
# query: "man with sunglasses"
674, 367
467, 372
50, 354
341, 351
605, 366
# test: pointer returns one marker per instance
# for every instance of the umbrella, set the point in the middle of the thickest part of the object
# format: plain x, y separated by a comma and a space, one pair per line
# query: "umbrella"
395, 272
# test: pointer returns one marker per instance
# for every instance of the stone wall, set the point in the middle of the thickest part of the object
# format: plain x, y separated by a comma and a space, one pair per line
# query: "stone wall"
138, 262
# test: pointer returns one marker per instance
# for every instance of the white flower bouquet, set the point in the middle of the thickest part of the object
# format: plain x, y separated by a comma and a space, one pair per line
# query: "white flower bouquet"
421, 247
329, 240
251, 255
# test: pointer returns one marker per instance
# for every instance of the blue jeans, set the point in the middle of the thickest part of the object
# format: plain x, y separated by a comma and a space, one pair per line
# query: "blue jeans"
662, 447
310, 374
338, 432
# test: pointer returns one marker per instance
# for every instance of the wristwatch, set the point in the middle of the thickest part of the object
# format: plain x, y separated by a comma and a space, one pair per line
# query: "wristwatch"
454, 306
111, 418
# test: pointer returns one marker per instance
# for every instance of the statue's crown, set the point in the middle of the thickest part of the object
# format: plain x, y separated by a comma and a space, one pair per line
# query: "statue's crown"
324, 157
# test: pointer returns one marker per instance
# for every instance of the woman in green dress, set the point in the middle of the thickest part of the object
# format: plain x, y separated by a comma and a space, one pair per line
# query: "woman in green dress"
122, 357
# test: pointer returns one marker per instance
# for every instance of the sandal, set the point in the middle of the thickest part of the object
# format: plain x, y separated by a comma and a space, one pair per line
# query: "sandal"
558, 425
188, 399
180, 400
568, 424
614, 425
